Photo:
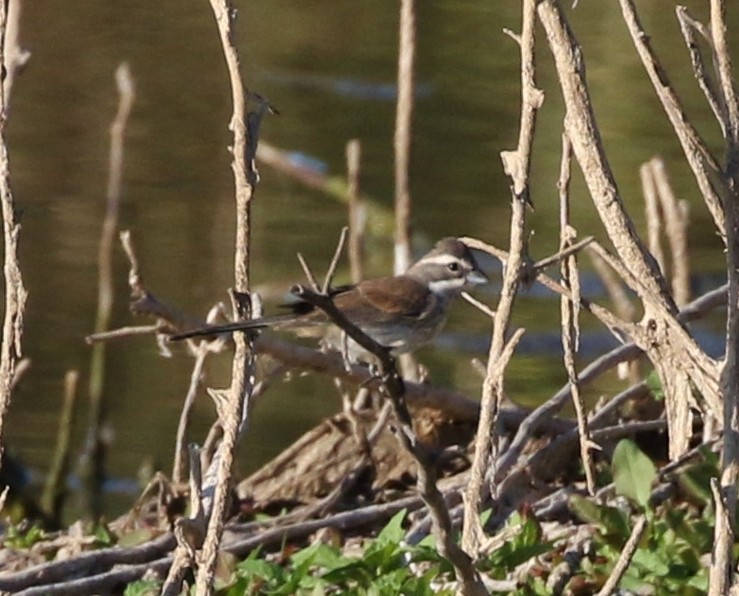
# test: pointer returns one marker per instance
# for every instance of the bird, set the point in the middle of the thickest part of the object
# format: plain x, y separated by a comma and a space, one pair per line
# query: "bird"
401, 313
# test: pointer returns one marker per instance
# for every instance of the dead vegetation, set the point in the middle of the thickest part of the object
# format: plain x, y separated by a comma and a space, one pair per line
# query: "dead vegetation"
403, 444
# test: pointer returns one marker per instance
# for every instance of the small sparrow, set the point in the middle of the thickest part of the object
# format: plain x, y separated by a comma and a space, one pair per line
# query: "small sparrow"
400, 313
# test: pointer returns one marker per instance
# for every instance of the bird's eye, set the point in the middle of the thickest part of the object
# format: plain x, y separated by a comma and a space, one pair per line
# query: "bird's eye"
453, 267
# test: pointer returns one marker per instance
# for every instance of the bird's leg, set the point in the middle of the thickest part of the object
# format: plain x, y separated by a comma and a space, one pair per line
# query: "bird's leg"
345, 351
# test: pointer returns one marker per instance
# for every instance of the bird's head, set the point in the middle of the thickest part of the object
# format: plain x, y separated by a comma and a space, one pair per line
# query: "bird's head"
448, 268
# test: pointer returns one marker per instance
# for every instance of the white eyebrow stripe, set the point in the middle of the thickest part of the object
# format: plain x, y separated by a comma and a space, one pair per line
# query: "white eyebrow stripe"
442, 285
441, 260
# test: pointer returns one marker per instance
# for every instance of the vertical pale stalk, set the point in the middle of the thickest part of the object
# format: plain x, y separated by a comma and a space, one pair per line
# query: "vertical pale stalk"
52, 497
570, 309
403, 134
357, 210
516, 164
15, 57
15, 293
722, 564
93, 462
234, 409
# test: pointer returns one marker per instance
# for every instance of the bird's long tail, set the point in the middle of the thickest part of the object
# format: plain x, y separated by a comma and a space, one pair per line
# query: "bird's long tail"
279, 321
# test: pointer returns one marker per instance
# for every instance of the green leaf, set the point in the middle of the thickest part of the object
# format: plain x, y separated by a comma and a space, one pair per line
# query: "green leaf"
695, 480
103, 535
584, 509
525, 545
485, 516
259, 568
143, 588
612, 523
655, 385
633, 472
393, 532
651, 562
23, 537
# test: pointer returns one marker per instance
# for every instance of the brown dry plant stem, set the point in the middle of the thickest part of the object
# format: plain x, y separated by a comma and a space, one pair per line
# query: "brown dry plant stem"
570, 309
679, 361
402, 145
179, 468
675, 217
15, 293
92, 466
704, 166
403, 135
625, 557
652, 215
722, 574
52, 498
689, 28
516, 164
233, 414
15, 57
394, 390
357, 210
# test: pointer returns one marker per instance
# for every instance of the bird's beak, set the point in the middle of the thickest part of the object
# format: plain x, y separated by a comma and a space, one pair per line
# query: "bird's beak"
476, 278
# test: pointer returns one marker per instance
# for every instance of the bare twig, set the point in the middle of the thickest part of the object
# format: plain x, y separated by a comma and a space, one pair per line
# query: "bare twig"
570, 308
652, 213
334, 260
189, 531
622, 304
689, 27
309, 275
56, 478
624, 559
92, 469
675, 214
702, 163
235, 410
479, 305
15, 293
15, 56
357, 210
178, 467
614, 286
516, 165
559, 256
123, 332
42, 576
722, 571
403, 136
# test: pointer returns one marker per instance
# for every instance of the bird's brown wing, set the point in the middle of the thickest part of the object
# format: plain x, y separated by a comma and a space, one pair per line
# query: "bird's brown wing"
405, 296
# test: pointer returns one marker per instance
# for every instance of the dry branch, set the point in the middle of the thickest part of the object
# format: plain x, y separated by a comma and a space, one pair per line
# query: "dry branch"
92, 469
675, 215
357, 210
679, 361
625, 557
235, 409
403, 135
15, 57
15, 293
704, 166
516, 165
56, 478
570, 309
722, 572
